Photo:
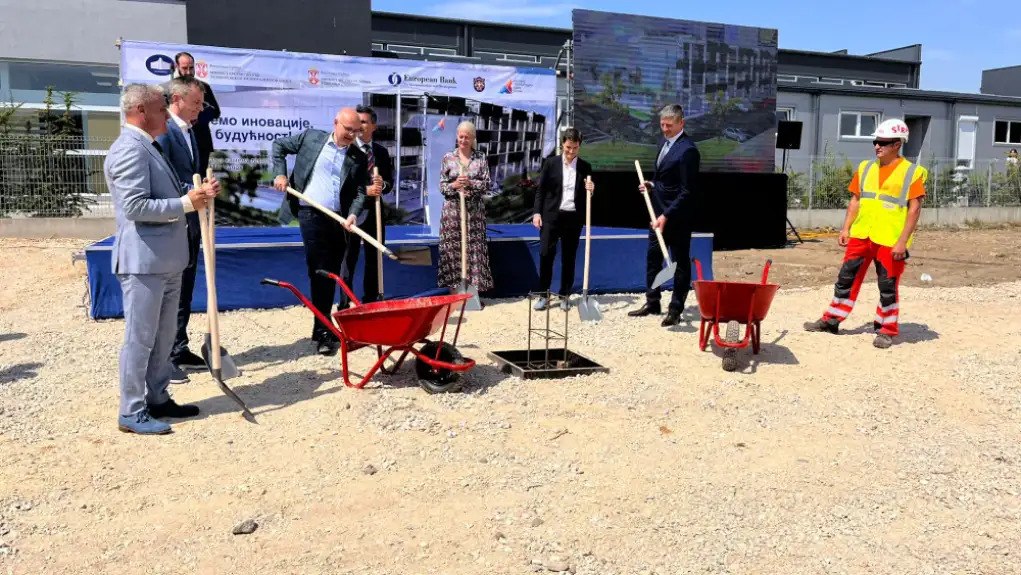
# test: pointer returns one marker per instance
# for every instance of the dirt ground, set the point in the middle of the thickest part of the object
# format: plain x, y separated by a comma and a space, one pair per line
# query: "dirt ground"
821, 455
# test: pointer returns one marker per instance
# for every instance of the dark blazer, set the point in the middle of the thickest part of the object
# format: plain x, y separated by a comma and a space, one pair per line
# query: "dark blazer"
175, 149
385, 165
306, 147
210, 111
551, 187
675, 179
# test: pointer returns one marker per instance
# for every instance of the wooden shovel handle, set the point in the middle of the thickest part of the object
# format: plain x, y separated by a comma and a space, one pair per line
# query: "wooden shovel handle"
379, 233
207, 256
588, 235
652, 213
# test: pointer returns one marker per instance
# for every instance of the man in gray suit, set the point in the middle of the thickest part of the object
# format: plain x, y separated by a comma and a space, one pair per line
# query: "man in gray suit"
150, 251
181, 148
329, 170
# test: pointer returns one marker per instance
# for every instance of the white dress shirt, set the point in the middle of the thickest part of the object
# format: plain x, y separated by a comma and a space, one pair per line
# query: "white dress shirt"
185, 200
185, 128
569, 180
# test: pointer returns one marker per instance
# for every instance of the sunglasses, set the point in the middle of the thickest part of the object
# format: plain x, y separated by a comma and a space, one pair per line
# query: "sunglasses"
884, 143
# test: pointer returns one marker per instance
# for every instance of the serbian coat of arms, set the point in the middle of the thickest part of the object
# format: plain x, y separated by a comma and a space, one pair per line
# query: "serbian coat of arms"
480, 84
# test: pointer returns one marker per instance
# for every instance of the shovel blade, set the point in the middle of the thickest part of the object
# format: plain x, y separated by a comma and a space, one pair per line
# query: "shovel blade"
227, 366
473, 304
414, 256
588, 309
230, 393
665, 275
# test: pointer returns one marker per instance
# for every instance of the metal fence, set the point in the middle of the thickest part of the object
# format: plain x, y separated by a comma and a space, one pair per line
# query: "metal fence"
53, 176
58, 176
821, 182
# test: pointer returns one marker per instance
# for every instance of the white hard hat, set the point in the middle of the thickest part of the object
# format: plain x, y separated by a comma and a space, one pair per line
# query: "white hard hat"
893, 129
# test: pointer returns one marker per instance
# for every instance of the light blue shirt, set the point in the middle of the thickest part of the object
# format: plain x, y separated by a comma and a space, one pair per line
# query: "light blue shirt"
666, 147
324, 185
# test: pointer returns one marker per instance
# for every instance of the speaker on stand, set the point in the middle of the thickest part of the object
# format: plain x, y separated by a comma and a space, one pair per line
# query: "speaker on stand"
788, 137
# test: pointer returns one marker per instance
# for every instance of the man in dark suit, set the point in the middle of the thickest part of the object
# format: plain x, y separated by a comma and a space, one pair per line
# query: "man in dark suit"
180, 147
378, 157
329, 170
672, 193
559, 214
184, 67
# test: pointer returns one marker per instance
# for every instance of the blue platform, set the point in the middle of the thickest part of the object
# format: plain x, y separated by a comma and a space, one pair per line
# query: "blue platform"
244, 256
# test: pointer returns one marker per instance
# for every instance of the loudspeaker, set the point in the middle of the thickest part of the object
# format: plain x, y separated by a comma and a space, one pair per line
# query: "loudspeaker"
788, 136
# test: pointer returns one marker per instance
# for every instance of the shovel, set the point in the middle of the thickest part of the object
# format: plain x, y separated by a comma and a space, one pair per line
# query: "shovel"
418, 256
588, 307
221, 365
379, 237
472, 304
667, 273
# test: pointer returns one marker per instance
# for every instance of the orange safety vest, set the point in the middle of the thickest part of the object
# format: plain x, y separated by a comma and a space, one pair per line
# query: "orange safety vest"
883, 210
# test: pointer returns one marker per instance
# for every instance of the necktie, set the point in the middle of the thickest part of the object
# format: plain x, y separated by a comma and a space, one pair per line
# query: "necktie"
194, 148
158, 147
662, 153
372, 159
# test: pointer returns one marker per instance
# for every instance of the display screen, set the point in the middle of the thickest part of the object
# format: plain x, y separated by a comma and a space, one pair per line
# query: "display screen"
626, 68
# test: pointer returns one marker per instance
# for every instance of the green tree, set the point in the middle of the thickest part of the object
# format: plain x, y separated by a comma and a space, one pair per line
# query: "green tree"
618, 115
44, 174
832, 176
719, 107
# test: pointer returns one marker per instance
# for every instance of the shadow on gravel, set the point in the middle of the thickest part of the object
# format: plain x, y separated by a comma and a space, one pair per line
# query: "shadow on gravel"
275, 393
769, 353
273, 355
19, 372
11, 336
909, 333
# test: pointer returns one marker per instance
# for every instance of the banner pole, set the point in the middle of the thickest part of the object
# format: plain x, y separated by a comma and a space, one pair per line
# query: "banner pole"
397, 163
424, 103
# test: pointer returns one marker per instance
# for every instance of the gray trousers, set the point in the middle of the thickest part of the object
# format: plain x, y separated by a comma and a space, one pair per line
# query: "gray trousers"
150, 323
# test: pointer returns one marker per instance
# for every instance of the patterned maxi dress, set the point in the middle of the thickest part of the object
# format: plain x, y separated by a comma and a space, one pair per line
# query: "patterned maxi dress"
477, 171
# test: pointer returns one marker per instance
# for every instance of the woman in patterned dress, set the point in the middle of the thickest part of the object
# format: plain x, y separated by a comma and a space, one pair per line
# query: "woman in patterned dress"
466, 170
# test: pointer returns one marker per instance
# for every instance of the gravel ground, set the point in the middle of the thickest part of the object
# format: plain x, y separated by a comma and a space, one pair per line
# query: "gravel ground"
821, 455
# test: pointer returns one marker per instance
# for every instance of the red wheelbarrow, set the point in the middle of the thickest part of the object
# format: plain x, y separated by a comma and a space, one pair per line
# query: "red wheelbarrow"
397, 325
732, 303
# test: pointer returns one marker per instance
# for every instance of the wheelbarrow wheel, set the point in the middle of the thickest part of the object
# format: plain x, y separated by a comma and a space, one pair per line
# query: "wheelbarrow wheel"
440, 380
730, 354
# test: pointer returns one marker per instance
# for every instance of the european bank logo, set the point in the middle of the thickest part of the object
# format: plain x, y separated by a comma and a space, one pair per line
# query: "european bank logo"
159, 65
508, 88
395, 79
440, 126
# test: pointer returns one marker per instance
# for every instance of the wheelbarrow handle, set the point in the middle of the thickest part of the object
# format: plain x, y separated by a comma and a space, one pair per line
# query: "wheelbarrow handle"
765, 272
305, 301
698, 268
341, 283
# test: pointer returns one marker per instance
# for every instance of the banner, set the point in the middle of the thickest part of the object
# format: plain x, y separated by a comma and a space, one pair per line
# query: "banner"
266, 95
629, 67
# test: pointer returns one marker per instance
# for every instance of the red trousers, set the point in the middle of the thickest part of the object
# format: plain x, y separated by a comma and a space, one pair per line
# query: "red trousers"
859, 254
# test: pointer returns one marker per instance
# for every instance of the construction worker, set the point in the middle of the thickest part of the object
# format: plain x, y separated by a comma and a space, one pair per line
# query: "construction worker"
880, 224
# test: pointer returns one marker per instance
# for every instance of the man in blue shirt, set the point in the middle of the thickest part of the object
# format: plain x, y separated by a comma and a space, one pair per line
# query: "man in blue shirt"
332, 172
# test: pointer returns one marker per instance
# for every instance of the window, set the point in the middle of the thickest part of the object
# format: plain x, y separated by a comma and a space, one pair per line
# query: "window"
92, 78
967, 126
784, 114
1007, 132
858, 124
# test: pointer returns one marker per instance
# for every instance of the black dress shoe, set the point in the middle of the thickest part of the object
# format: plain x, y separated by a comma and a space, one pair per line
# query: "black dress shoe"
672, 318
172, 409
327, 346
647, 309
188, 360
